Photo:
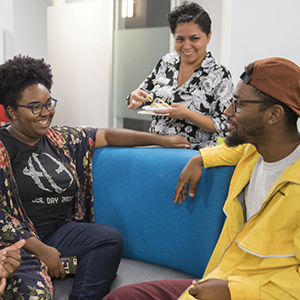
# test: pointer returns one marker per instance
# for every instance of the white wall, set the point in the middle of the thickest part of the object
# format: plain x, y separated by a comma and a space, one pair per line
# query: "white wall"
261, 29
243, 31
24, 25
80, 53
32, 38
6, 22
214, 9
1, 45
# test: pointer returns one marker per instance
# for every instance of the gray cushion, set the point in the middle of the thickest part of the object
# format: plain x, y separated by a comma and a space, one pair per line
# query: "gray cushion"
133, 271
130, 271
62, 288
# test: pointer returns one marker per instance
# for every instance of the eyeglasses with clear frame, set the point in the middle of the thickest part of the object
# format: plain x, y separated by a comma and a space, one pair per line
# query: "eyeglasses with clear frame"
38, 107
235, 101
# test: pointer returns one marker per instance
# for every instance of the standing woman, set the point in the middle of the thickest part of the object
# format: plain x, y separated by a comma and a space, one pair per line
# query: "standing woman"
197, 88
46, 195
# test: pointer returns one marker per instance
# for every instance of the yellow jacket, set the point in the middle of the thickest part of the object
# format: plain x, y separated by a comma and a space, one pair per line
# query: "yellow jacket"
260, 258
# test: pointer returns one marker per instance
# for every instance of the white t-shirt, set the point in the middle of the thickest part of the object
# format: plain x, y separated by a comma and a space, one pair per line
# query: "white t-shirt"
262, 179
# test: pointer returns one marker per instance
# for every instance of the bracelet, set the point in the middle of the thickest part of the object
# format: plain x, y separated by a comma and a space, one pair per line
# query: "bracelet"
128, 99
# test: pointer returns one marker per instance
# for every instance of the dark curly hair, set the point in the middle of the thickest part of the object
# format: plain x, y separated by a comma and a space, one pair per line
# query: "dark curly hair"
20, 72
189, 12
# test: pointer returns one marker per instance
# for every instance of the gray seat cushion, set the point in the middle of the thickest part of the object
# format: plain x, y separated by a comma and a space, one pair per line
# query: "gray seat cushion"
129, 272
133, 271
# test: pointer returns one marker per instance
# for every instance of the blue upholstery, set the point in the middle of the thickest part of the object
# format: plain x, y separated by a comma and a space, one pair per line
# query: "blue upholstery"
134, 190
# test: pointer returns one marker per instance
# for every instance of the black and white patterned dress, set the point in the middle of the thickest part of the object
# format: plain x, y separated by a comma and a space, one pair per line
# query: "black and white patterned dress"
208, 92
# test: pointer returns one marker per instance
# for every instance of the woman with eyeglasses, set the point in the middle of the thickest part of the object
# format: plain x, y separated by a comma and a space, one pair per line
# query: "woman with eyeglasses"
46, 188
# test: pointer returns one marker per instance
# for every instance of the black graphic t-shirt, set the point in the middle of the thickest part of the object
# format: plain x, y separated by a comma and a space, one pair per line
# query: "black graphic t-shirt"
47, 188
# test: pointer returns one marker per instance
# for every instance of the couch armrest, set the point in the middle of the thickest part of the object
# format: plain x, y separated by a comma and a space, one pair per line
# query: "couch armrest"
134, 190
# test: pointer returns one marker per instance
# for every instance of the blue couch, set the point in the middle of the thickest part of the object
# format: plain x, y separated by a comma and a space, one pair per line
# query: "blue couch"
134, 190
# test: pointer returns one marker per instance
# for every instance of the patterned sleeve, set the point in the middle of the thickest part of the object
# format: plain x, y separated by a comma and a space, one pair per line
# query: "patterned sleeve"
78, 137
14, 224
13, 227
78, 149
222, 95
80, 142
148, 84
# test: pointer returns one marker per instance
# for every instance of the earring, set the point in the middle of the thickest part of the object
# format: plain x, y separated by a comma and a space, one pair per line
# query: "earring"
270, 121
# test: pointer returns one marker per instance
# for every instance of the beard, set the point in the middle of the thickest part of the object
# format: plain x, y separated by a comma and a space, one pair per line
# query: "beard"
252, 132
234, 140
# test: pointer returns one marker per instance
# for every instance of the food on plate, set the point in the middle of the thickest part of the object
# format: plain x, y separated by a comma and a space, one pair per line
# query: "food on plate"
149, 98
156, 104
159, 105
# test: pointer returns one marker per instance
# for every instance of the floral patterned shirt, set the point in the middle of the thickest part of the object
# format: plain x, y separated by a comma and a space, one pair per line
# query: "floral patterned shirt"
207, 92
75, 147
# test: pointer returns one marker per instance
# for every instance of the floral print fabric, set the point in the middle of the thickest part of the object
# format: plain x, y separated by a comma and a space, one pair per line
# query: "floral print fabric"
75, 147
207, 92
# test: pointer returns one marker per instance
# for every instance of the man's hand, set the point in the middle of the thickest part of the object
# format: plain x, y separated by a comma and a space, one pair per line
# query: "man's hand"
211, 289
10, 259
190, 174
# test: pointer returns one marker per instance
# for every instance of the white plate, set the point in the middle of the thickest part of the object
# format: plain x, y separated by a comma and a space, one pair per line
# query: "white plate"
147, 112
149, 108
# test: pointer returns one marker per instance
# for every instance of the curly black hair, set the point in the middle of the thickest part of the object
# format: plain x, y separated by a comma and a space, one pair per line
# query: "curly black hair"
18, 73
189, 12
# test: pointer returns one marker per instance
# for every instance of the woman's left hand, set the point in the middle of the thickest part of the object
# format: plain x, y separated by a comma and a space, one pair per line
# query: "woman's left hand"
175, 141
177, 111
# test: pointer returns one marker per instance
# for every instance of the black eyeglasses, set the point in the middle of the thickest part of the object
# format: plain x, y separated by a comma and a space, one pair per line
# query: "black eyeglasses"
235, 101
38, 107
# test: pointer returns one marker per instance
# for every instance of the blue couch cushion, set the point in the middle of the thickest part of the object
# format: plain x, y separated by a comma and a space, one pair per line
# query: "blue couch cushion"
134, 191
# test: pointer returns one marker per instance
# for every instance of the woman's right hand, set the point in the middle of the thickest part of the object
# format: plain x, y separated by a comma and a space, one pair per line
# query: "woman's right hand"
48, 255
136, 99
51, 257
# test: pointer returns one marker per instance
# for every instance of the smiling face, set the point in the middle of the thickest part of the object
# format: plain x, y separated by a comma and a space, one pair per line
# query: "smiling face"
25, 125
190, 43
247, 124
